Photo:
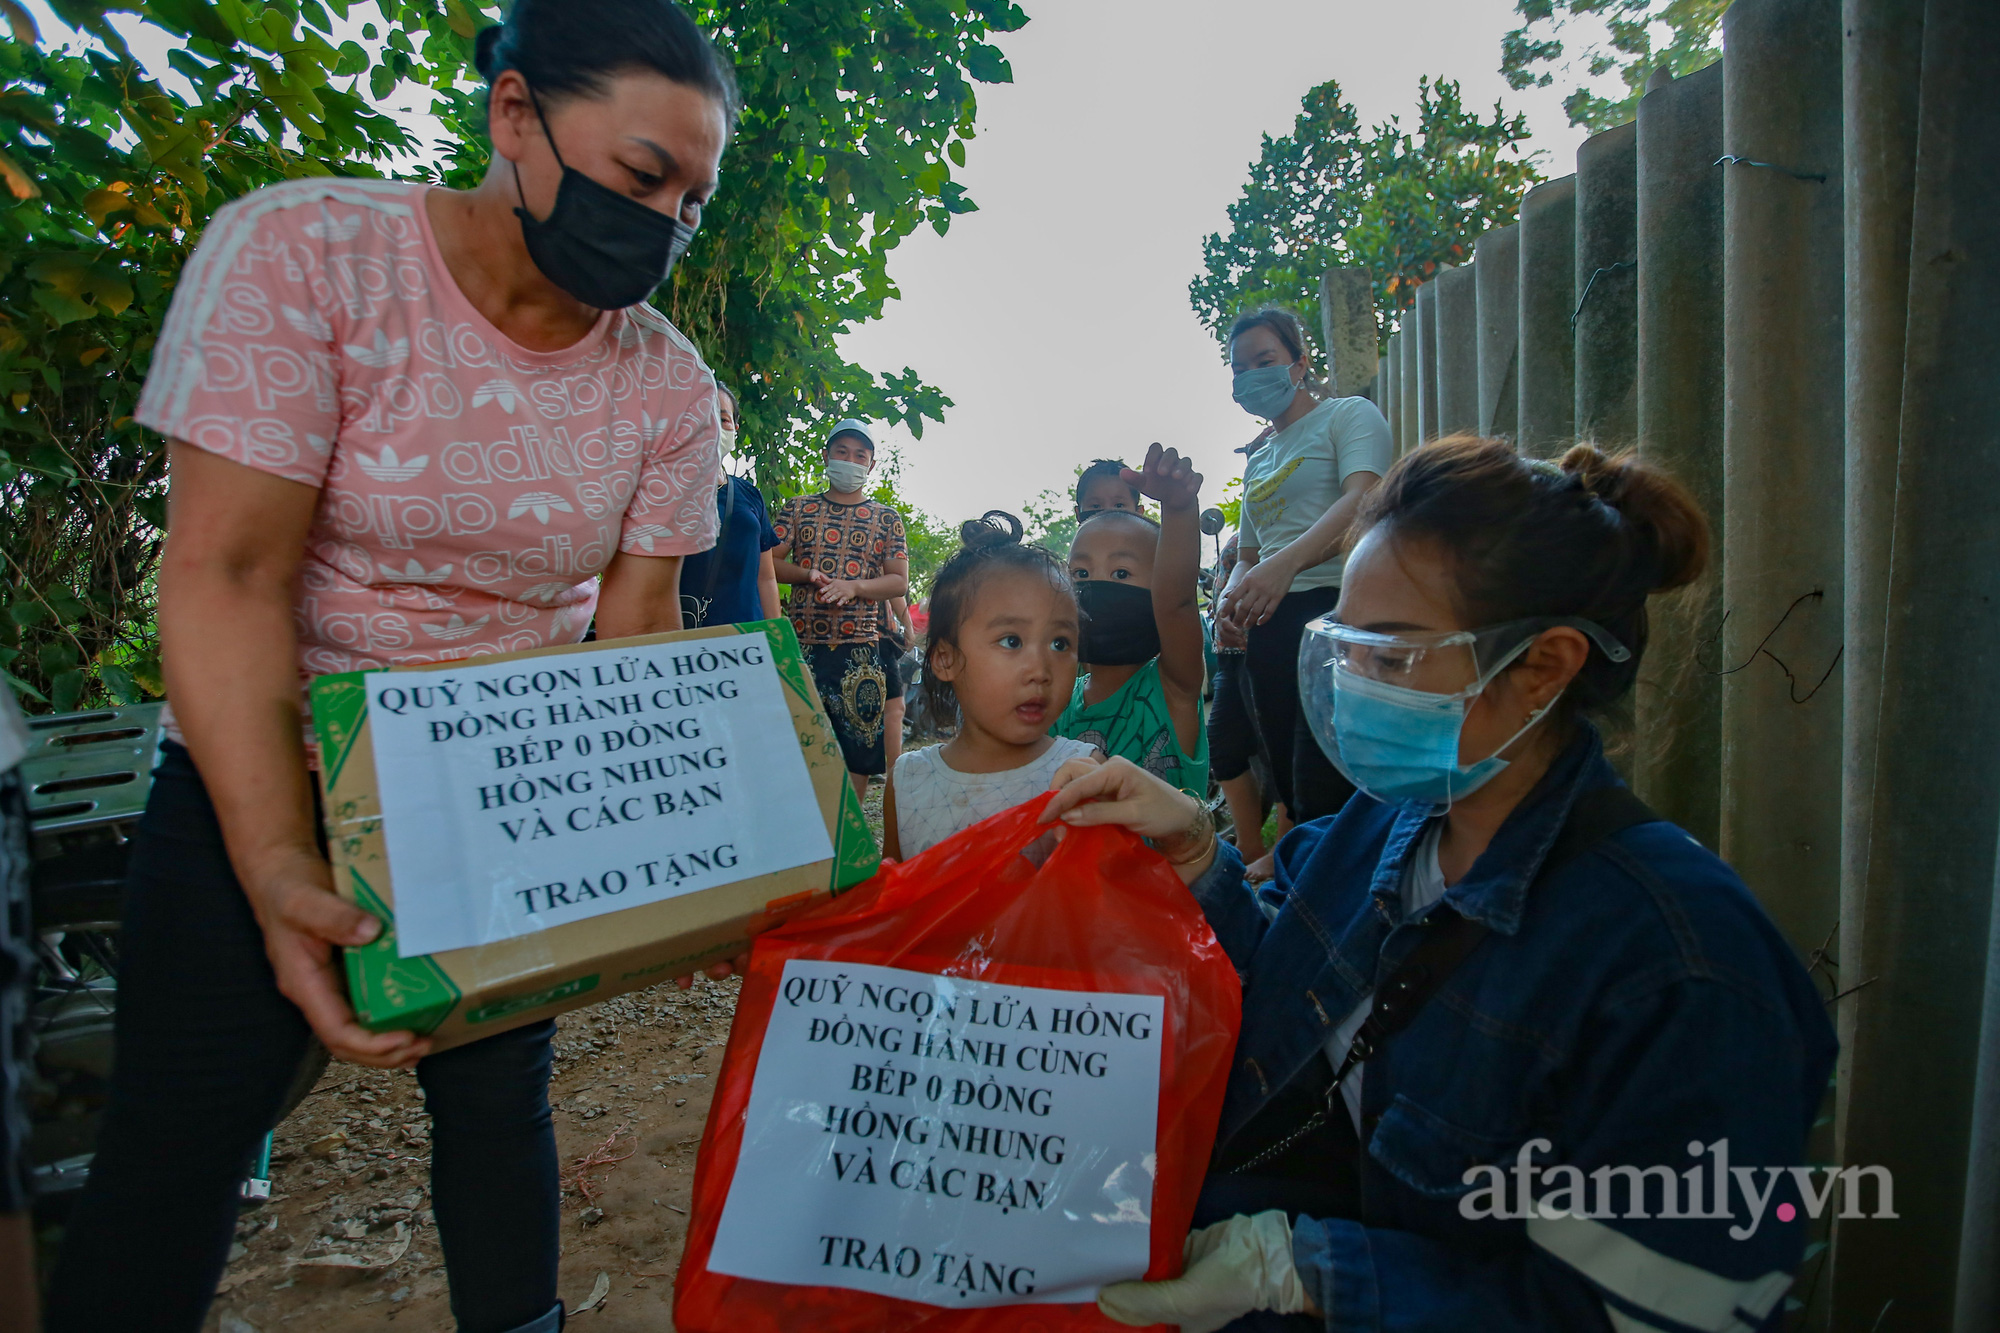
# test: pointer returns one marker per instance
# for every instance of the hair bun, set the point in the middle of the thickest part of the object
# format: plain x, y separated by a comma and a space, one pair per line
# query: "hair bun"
484, 50
996, 527
1659, 509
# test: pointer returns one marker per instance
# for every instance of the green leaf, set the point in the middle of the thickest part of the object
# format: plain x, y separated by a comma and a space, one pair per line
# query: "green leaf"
66, 690
193, 17
118, 683
22, 686
986, 64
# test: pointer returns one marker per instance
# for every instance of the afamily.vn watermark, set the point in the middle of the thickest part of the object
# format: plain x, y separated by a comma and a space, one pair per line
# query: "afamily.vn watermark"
1701, 1191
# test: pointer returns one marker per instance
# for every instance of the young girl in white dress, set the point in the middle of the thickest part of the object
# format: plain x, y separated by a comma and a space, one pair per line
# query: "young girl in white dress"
1002, 651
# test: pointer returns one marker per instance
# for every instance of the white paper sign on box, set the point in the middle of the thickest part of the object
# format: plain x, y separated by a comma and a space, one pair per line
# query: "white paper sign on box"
946, 1141
527, 794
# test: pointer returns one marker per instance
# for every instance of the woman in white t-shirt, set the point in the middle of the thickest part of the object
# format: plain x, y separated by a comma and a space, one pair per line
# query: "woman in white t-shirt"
1301, 489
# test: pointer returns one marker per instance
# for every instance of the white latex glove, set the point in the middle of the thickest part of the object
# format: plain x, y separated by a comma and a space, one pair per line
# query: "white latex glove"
1233, 1267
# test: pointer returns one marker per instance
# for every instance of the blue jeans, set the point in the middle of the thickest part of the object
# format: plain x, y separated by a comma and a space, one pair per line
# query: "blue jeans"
206, 1049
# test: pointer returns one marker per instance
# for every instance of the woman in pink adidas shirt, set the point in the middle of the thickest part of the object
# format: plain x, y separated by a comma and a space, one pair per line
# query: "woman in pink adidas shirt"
407, 424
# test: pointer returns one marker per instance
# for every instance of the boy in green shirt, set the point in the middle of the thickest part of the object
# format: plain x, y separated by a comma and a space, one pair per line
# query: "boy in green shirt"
1142, 640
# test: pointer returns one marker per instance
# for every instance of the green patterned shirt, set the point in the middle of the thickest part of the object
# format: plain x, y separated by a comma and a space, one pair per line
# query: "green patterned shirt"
1134, 722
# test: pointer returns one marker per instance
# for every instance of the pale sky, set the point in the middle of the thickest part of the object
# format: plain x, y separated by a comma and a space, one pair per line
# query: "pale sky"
1057, 316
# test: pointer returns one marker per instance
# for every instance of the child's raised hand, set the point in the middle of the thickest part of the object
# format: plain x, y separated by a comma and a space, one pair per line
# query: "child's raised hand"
1168, 478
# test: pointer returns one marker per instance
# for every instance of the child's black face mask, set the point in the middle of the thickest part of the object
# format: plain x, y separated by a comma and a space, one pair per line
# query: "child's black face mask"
1118, 624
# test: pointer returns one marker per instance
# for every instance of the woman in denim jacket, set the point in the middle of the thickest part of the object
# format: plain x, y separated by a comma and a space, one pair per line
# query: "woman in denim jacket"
1597, 1121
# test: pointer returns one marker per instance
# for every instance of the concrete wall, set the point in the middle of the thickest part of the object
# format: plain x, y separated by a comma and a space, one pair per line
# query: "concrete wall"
1803, 331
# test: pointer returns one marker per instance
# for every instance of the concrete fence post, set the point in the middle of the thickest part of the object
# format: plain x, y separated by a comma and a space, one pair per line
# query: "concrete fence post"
1347, 325
1392, 390
1427, 363
1784, 503
1547, 416
1497, 269
1458, 350
1606, 313
1406, 382
1678, 766
1919, 1094
1883, 62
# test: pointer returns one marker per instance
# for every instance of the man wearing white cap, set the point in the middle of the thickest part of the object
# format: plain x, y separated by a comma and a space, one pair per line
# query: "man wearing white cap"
844, 555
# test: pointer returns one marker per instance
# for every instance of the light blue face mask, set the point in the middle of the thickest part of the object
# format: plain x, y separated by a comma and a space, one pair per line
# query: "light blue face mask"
1265, 392
1400, 744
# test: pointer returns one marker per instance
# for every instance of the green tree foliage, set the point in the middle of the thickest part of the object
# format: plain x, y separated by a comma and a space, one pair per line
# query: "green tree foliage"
930, 540
1640, 36
1050, 520
857, 111
1330, 194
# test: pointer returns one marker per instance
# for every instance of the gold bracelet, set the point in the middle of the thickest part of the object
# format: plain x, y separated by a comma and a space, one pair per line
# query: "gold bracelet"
1200, 830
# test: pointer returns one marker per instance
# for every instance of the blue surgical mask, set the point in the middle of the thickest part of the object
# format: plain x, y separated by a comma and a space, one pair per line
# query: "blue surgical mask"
1399, 744
1265, 392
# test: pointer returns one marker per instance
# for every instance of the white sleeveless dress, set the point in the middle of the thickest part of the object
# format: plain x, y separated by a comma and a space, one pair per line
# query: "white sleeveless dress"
935, 800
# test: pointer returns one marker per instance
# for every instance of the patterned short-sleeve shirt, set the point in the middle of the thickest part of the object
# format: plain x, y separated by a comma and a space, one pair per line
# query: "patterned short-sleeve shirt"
842, 542
471, 490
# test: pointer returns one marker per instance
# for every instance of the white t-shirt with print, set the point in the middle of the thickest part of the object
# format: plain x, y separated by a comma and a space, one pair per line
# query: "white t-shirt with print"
1290, 483
935, 800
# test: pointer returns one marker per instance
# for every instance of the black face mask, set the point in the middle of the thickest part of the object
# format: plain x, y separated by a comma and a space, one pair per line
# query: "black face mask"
1118, 624
604, 248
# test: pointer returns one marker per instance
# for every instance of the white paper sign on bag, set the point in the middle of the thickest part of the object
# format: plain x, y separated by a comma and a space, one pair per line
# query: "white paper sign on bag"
527, 794
946, 1141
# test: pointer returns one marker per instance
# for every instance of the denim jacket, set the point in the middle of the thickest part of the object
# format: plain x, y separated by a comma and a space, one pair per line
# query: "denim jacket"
1632, 1005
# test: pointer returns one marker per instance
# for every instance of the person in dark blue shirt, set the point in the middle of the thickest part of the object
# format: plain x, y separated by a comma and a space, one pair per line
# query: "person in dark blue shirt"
736, 580
1517, 1055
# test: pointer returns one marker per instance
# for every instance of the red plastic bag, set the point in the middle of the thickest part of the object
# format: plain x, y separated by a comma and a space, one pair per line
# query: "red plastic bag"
917, 1146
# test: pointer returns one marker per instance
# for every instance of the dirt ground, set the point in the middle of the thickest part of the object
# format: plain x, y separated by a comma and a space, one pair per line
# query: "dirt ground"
633, 1080
349, 1180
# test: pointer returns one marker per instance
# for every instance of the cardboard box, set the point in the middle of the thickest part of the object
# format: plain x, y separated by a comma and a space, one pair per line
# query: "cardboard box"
462, 994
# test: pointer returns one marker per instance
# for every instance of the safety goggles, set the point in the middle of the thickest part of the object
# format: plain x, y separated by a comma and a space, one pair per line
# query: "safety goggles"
1450, 663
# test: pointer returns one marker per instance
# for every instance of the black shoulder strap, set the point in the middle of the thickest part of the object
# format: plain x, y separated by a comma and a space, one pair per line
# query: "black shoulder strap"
721, 535
1449, 939
696, 617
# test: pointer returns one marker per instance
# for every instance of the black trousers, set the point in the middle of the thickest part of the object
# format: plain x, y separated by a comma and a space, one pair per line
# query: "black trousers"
1306, 781
206, 1047
1232, 736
